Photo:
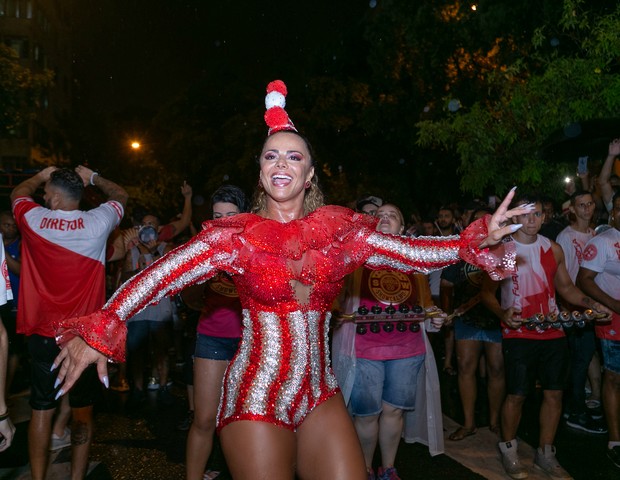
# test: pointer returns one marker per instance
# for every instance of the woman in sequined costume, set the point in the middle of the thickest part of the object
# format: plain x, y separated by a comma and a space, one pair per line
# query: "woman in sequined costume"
281, 411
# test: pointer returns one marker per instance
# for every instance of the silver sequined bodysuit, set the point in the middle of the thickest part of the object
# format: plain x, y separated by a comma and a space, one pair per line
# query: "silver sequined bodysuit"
287, 276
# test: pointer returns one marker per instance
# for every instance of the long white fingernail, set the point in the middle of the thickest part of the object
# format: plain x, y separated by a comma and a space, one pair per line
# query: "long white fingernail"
513, 188
515, 227
529, 206
106, 382
53, 367
56, 383
60, 393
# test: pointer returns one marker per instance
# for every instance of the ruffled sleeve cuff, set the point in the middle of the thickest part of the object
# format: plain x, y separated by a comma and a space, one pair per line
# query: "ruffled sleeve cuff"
499, 261
103, 330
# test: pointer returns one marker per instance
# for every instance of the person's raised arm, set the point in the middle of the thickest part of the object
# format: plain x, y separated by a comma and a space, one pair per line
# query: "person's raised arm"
29, 186
477, 244
112, 190
101, 335
186, 215
607, 192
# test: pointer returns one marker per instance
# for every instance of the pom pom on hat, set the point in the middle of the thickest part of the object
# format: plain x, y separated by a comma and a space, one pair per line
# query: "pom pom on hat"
276, 117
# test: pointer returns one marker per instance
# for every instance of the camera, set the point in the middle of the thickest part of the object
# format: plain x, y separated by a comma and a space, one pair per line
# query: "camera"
147, 233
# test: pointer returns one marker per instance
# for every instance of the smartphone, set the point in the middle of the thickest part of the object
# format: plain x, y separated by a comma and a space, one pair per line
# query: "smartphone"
582, 165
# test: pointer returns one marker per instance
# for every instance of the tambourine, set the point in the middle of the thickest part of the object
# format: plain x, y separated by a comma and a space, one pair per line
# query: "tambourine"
563, 320
402, 319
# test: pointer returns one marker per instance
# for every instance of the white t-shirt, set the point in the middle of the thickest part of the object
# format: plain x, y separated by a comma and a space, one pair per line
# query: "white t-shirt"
602, 255
573, 243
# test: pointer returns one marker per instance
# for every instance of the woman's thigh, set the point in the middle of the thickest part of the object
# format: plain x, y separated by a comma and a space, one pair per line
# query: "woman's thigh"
467, 354
208, 376
328, 446
259, 451
494, 358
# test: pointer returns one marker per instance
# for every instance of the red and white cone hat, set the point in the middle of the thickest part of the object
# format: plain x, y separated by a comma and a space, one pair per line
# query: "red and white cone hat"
276, 117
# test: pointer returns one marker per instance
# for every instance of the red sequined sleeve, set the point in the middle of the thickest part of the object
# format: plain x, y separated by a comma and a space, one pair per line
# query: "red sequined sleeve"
425, 254
194, 262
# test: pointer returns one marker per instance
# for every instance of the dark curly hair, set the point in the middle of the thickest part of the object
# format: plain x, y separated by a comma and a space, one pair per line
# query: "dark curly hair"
231, 194
69, 182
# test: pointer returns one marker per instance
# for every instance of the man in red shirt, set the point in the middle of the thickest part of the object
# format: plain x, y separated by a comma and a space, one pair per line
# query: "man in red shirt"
62, 276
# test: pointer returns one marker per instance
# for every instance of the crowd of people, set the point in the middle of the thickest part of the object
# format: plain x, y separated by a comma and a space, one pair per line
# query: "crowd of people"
516, 293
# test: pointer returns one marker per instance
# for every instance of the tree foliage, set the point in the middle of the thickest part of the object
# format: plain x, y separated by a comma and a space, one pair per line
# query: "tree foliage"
569, 75
20, 90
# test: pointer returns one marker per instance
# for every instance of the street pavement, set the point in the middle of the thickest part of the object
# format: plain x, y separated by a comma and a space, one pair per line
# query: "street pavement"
146, 444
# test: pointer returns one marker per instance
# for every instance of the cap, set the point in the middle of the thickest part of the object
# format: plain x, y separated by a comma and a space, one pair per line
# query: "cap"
370, 199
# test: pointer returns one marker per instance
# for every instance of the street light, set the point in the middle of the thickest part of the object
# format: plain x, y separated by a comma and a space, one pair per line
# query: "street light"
135, 145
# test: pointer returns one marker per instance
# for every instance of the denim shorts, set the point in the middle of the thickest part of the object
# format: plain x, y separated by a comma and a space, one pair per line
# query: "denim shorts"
43, 351
216, 348
611, 355
391, 381
464, 331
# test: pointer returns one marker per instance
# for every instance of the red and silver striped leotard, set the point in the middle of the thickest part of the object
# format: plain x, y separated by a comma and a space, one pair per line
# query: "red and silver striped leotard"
287, 276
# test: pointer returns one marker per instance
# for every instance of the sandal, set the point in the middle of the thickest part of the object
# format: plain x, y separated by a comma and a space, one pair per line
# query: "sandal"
461, 433
211, 475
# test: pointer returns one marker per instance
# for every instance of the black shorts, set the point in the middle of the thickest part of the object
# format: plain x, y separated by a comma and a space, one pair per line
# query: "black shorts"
527, 360
43, 351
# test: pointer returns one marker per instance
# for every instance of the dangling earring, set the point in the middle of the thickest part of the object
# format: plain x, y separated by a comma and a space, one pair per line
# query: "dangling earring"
307, 184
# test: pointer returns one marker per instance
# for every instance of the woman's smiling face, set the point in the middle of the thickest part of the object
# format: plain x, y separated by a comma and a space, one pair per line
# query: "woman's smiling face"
285, 167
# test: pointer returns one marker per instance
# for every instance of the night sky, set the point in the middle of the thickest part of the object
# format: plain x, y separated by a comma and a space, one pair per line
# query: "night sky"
142, 52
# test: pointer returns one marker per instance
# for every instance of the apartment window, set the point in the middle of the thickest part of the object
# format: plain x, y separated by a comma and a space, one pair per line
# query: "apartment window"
39, 57
8, 8
23, 8
19, 45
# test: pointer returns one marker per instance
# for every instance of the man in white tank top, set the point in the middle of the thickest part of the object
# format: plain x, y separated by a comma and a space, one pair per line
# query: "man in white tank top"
534, 353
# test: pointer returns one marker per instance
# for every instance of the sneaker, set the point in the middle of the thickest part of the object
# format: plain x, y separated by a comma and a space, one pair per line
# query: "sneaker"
164, 397
585, 423
614, 455
546, 461
510, 460
153, 384
387, 474
595, 409
184, 424
60, 442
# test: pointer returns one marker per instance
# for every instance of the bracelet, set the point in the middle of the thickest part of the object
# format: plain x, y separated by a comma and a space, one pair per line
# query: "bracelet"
4, 416
92, 178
